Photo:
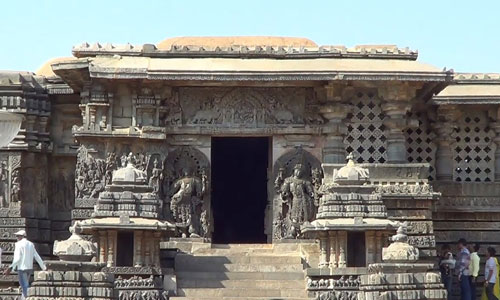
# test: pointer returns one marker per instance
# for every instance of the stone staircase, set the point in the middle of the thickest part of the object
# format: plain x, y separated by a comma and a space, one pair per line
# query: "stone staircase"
241, 271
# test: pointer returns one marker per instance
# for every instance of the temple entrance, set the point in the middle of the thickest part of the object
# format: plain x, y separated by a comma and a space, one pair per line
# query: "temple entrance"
239, 188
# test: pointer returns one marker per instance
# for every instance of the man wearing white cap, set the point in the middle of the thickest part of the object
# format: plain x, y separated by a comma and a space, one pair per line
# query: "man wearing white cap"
23, 261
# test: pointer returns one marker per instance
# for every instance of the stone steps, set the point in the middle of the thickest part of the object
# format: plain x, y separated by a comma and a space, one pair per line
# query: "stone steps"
241, 283
183, 259
241, 271
241, 275
241, 292
239, 298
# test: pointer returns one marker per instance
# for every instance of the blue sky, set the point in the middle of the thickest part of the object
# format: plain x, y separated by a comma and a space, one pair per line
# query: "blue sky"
463, 35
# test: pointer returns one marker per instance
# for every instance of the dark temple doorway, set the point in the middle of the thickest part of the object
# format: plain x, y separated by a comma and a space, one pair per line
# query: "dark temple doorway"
239, 188
125, 244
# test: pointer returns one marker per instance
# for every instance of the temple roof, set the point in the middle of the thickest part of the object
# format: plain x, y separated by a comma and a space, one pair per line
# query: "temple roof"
77, 71
46, 68
222, 41
471, 88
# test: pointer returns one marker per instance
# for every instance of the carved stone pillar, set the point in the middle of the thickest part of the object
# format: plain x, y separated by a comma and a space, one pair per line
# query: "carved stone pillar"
370, 247
378, 246
92, 117
324, 245
111, 247
110, 115
444, 127
397, 104
147, 248
156, 247
496, 126
342, 244
102, 246
335, 111
138, 248
333, 249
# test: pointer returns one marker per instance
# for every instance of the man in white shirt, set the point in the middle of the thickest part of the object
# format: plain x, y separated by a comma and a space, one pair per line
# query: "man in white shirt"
24, 253
490, 273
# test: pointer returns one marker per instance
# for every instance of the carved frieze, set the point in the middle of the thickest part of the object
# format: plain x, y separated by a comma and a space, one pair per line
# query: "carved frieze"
420, 227
337, 295
334, 283
242, 107
407, 189
469, 204
79, 214
422, 241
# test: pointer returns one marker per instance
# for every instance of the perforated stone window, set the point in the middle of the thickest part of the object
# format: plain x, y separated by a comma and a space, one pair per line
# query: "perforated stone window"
366, 137
474, 149
419, 145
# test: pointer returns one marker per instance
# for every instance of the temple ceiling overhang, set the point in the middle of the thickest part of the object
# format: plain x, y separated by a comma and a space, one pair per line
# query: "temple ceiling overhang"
80, 70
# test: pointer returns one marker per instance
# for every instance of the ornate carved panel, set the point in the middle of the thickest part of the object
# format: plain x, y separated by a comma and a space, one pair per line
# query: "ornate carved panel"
241, 107
298, 176
187, 190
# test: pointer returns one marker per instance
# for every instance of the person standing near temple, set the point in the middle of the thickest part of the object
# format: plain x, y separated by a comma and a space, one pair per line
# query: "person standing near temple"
446, 266
462, 269
24, 253
474, 270
490, 273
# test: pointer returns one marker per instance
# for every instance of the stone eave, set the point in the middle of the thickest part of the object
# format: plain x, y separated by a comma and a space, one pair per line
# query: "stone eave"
470, 89
467, 100
78, 71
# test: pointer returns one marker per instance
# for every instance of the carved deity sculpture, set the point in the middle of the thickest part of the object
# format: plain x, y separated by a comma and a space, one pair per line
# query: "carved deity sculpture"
298, 195
15, 186
186, 199
4, 202
156, 177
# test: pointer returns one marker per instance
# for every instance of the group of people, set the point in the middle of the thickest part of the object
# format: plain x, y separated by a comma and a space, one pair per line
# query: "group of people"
466, 268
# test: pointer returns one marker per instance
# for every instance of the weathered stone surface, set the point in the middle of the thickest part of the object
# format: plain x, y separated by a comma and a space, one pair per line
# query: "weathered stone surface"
119, 138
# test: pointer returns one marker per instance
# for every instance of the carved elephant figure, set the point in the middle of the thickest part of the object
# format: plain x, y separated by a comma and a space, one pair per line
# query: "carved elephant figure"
283, 116
205, 117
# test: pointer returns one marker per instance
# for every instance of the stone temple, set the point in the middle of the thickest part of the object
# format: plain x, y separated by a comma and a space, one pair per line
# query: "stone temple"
246, 168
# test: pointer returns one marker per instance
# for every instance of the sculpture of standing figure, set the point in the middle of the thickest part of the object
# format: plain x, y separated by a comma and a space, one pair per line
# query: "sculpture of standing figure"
3, 185
15, 187
156, 176
298, 194
186, 197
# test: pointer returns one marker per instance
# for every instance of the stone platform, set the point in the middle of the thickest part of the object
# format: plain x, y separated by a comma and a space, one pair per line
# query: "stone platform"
242, 271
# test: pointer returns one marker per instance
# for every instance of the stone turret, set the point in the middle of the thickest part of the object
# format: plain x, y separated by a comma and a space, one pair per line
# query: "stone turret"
349, 207
400, 276
75, 248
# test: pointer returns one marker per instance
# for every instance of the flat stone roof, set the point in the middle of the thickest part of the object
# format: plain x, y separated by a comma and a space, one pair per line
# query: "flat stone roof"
227, 41
471, 88
130, 67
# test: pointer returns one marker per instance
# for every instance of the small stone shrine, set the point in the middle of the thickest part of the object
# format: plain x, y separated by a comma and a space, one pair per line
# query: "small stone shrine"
351, 223
401, 275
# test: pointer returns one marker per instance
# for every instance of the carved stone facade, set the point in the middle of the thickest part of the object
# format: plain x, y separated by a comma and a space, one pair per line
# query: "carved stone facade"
126, 151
